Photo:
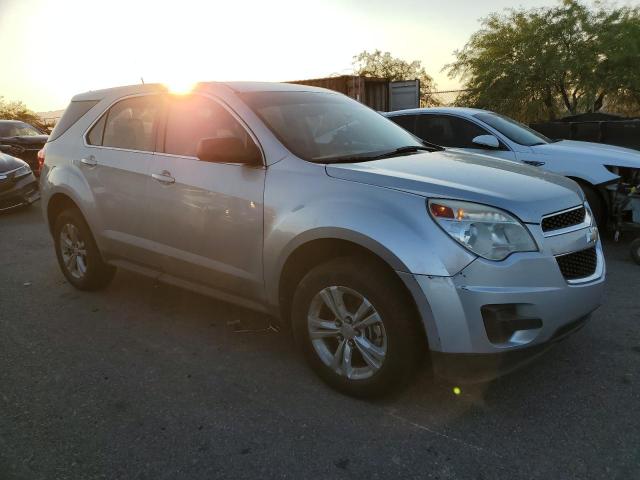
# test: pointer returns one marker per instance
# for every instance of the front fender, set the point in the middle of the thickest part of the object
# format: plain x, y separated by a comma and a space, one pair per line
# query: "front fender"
393, 225
587, 170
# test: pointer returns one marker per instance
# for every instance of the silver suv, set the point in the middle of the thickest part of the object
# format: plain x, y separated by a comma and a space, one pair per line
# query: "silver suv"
306, 205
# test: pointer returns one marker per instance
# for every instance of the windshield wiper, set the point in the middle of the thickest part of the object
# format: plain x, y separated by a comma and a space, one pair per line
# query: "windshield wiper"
432, 146
393, 153
403, 150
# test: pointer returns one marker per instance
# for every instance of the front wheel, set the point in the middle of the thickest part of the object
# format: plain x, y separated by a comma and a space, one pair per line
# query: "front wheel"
356, 327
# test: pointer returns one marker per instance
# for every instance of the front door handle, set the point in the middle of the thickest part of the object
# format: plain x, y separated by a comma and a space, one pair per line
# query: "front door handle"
534, 163
163, 177
90, 161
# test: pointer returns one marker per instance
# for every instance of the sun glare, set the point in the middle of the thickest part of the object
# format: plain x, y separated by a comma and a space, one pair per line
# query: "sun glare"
180, 47
180, 86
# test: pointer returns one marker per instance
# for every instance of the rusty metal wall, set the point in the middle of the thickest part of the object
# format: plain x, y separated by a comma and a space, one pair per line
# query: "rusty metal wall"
373, 92
339, 84
377, 94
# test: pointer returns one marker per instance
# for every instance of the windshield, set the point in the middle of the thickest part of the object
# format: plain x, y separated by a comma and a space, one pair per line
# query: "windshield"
319, 127
17, 129
513, 130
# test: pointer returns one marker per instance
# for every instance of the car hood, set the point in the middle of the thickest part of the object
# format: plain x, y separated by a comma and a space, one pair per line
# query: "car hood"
8, 163
600, 153
26, 141
524, 191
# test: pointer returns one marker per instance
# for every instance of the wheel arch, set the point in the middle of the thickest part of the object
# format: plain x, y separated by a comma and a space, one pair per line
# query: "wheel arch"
310, 253
58, 202
597, 189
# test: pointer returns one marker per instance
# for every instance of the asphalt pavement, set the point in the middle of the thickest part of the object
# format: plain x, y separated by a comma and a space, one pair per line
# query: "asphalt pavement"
147, 381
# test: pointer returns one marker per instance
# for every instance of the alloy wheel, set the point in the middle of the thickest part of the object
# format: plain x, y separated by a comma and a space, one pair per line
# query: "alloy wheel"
347, 332
73, 250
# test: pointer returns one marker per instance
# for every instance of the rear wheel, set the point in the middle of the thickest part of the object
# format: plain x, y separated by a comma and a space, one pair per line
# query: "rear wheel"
356, 327
78, 254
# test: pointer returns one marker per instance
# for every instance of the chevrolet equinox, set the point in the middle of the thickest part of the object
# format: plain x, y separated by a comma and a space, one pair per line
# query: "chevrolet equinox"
302, 203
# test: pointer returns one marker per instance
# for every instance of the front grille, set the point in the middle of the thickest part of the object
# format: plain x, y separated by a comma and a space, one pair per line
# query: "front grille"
10, 203
578, 264
563, 220
6, 184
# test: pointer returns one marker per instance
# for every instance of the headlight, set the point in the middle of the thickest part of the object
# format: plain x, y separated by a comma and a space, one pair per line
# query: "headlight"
22, 171
485, 231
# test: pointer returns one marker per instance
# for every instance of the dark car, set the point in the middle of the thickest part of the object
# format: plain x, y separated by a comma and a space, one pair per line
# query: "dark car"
18, 185
21, 140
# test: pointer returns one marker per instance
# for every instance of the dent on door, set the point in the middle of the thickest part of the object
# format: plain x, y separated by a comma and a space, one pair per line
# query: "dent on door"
209, 226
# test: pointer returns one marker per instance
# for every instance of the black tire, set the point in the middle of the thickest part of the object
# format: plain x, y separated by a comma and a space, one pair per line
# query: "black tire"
405, 340
596, 203
97, 273
635, 250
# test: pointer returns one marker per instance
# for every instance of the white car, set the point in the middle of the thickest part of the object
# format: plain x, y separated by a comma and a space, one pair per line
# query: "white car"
593, 165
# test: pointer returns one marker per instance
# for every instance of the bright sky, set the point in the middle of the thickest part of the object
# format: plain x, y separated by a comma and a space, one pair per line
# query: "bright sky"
52, 49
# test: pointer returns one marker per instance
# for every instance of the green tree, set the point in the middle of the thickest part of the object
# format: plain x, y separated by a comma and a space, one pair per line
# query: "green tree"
545, 62
380, 64
19, 111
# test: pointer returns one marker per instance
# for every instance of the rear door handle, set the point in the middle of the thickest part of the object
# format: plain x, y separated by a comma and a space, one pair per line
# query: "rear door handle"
90, 161
164, 177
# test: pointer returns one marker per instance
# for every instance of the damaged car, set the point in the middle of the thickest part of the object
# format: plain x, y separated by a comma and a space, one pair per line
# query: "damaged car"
604, 172
303, 204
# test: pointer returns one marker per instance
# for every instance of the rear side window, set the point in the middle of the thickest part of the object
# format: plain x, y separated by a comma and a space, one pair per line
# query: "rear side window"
408, 122
96, 132
190, 119
74, 112
129, 124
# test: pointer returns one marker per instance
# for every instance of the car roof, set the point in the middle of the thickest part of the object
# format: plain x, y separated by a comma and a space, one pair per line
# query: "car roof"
237, 87
242, 87
464, 111
123, 90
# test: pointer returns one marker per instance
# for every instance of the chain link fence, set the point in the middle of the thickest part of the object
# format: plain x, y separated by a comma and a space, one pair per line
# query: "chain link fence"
443, 98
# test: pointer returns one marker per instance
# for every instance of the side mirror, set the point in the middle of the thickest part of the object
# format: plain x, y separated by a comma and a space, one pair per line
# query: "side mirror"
487, 141
228, 150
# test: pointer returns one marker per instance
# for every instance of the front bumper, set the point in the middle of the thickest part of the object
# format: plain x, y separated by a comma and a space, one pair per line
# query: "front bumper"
526, 289
482, 367
19, 193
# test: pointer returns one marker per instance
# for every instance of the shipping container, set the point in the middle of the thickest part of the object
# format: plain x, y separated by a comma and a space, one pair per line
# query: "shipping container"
378, 93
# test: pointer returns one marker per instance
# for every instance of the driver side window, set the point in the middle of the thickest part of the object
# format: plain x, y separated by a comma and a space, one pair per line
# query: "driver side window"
192, 118
448, 131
